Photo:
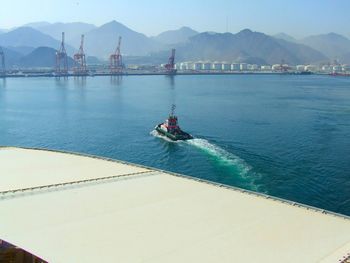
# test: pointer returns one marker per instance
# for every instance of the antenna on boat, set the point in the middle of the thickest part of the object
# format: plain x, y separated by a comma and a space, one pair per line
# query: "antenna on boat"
173, 109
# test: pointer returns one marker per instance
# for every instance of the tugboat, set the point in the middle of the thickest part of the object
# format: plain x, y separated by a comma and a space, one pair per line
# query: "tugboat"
171, 129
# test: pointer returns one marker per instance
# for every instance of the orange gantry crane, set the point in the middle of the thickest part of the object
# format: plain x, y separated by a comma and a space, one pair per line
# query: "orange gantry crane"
170, 67
116, 61
61, 59
80, 60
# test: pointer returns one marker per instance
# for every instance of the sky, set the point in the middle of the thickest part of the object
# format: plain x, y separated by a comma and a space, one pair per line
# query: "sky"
298, 18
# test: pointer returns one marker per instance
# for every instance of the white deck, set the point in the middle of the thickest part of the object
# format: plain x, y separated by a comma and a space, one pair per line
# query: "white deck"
151, 216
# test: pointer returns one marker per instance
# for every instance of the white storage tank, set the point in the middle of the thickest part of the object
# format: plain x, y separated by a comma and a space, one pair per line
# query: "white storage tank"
253, 67
300, 67
197, 65
183, 66
346, 68
217, 66
206, 65
337, 68
235, 67
243, 66
266, 68
276, 67
226, 66
326, 68
311, 68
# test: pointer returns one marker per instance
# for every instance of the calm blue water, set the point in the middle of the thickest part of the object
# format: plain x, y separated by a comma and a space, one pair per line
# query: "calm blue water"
287, 136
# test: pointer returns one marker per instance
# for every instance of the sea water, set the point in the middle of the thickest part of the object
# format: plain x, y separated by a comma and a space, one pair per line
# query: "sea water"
283, 135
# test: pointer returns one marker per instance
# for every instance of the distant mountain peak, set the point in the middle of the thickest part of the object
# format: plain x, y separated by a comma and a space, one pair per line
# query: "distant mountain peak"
176, 36
113, 23
37, 24
24, 29
335, 35
285, 36
101, 41
29, 37
332, 44
113, 26
245, 31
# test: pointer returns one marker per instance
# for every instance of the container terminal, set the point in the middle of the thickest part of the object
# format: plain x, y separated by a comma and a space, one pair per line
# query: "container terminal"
116, 66
68, 207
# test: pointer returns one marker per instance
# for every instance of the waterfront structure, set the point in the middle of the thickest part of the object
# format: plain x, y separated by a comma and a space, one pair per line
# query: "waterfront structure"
2, 63
276, 67
206, 65
226, 66
197, 65
216, 66
190, 65
345, 68
80, 60
326, 68
265, 68
243, 66
311, 68
337, 68
235, 67
116, 59
61, 59
300, 67
181, 66
64, 207
253, 67
170, 66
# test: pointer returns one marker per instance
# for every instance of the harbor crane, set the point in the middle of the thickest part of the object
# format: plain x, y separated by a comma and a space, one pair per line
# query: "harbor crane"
170, 67
2, 61
80, 60
61, 59
116, 61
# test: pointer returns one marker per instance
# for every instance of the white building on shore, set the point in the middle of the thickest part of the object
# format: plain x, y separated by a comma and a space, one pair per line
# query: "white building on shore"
226, 66
197, 65
243, 66
206, 65
253, 67
265, 68
300, 67
311, 68
235, 67
216, 65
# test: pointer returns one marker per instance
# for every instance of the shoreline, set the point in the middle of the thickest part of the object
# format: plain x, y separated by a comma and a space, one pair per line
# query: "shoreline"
141, 73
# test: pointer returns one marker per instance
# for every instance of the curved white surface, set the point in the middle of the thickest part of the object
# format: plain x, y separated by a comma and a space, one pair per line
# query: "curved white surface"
152, 216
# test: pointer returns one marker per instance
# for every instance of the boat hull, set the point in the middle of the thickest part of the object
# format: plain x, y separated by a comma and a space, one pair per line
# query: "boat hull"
182, 136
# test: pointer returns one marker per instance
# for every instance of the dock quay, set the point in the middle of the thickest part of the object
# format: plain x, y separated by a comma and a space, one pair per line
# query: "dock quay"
70, 207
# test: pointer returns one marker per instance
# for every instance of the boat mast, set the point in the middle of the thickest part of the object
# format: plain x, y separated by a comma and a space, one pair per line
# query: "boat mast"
173, 110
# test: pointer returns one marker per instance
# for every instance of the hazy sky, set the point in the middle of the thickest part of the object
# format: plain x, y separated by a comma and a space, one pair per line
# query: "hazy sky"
295, 17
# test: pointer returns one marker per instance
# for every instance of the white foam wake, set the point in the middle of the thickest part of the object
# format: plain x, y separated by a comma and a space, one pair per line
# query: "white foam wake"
222, 156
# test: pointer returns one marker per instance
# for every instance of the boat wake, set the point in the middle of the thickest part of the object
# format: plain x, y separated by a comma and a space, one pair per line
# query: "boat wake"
222, 155
231, 163
235, 164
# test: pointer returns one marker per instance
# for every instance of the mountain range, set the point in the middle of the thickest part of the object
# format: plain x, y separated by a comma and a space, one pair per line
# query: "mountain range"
171, 37
30, 37
246, 46
333, 45
72, 30
102, 41
21, 44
